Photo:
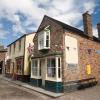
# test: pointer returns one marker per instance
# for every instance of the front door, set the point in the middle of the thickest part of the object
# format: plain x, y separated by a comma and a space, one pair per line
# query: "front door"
1, 64
43, 71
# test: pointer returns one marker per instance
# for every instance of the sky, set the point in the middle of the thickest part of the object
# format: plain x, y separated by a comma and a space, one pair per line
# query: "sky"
18, 17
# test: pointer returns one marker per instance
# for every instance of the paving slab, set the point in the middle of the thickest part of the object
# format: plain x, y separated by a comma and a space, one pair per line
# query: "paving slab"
40, 90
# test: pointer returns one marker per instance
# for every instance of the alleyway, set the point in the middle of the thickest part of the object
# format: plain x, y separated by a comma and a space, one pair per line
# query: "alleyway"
10, 91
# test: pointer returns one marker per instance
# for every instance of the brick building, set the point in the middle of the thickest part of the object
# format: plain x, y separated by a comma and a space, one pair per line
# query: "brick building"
65, 57
2, 59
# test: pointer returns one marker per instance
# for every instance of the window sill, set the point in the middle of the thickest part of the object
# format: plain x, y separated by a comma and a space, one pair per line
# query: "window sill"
44, 48
54, 79
37, 77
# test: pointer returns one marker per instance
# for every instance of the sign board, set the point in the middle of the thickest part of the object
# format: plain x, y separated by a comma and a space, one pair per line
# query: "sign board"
88, 69
30, 49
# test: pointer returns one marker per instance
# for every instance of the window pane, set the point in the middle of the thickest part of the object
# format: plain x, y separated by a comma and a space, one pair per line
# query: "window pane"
34, 67
47, 39
58, 62
53, 62
47, 43
19, 63
44, 39
48, 63
59, 72
53, 72
51, 67
40, 68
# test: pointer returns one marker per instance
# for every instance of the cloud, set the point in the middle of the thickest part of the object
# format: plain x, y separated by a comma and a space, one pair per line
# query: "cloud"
3, 34
27, 14
89, 6
95, 32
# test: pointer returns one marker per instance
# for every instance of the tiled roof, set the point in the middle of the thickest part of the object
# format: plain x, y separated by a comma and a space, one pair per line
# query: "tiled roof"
73, 29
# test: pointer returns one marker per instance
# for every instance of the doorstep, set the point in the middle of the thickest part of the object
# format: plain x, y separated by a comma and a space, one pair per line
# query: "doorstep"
37, 89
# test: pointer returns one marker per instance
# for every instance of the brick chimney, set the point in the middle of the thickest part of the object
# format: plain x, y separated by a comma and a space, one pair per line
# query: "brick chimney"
87, 22
98, 27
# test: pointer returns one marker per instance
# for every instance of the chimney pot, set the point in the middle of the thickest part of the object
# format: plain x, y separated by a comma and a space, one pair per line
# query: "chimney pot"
87, 22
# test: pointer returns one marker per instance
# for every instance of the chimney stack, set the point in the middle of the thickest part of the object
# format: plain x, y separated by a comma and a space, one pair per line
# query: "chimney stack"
87, 22
98, 27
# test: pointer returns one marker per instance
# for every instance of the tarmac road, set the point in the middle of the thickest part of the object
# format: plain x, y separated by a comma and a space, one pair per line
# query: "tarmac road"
10, 91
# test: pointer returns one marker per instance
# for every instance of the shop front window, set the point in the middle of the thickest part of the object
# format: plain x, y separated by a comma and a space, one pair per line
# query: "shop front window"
51, 67
19, 63
34, 67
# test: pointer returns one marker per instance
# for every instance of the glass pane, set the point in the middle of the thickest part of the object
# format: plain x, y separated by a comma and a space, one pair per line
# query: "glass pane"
40, 69
34, 67
53, 63
47, 37
47, 43
53, 72
48, 63
51, 67
59, 73
58, 62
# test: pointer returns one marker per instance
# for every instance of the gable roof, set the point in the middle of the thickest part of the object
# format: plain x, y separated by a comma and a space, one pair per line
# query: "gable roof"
70, 28
20, 38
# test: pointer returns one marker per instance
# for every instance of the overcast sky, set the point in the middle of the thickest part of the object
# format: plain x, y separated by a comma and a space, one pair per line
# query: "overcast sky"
18, 17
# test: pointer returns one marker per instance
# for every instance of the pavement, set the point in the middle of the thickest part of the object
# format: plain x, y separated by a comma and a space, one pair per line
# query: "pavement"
10, 91
37, 89
14, 90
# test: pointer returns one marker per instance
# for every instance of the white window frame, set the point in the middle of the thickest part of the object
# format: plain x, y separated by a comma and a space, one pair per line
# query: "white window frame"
50, 68
42, 35
57, 67
34, 68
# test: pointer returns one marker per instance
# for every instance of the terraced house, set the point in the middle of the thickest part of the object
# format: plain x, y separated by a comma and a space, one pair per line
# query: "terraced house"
18, 58
65, 58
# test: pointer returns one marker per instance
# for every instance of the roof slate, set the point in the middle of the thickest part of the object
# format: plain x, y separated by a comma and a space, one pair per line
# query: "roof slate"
73, 29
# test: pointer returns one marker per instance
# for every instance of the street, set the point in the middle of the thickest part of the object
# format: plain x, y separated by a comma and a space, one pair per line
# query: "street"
10, 91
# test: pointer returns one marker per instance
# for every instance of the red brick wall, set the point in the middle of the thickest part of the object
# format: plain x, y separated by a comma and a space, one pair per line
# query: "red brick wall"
84, 59
56, 36
2, 56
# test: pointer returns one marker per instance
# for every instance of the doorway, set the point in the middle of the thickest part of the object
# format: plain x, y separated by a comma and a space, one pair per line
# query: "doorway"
1, 65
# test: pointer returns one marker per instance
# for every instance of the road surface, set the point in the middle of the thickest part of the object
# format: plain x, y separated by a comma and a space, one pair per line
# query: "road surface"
10, 91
